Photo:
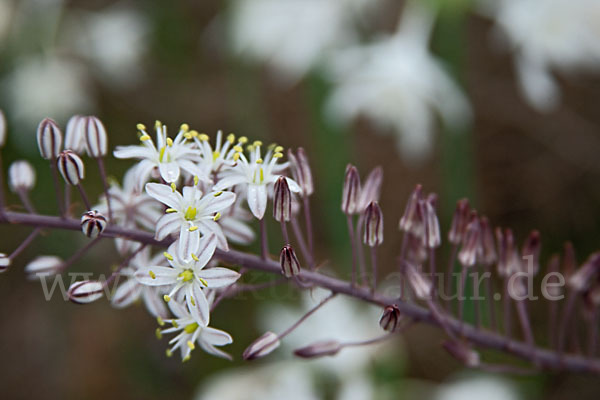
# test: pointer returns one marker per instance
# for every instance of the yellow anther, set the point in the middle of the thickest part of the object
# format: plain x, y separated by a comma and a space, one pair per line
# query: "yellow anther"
195, 257
160, 321
190, 213
141, 127
187, 275
162, 153
203, 281
242, 140
193, 228
194, 133
259, 161
143, 138
169, 142
169, 353
217, 216
257, 143
272, 146
196, 180
218, 194
203, 137
193, 301
175, 324
184, 127
238, 148
191, 345
231, 138
168, 256
173, 186
170, 210
278, 149
188, 135
157, 124
191, 328
158, 333
186, 358
250, 148
236, 156
277, 155
216, 155
152, 275
167, 298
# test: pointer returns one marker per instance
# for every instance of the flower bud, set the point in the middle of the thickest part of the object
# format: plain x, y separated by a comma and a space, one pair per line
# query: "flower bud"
2, 129
96, 142
433, 237
462, 352
49, 139
471, 248
92, 223
411, 220
43, 266
390, 318
351, 191
301, 171
487, 242
21, 176
319, 349
531, 249
74, 139
261, 346
371, 189
373, 234
553, 281
290, 266
71, 167
84, 292
582, 279
460, 220
4, 262
509, 262
282, 200
420, 285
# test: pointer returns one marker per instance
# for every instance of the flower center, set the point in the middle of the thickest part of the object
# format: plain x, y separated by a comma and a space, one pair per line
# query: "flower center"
191, 328
161, 154
187, 275
190, 213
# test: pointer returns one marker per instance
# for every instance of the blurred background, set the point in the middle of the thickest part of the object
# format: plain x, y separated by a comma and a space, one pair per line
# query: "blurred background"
492, 100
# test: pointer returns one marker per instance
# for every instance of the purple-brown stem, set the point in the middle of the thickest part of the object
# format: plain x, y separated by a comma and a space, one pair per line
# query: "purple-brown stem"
84, 197
301, 242
55, 180
79, 253
123, 264
106, 187
264, 245
490, 300
24, 196
360, 253
68, 200
566, 318
450, 271
309, 232
507, 309
25, 243
353, 243
525, 325
305, 316
374, 268
284, 232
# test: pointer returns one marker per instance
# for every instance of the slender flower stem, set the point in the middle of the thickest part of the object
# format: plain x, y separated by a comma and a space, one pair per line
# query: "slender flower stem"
25, 243
284, 231
84, 197
360, 250
367, 342
490, 300
450, 270
123, 264
305, 316
374, 268
507, 309
552, 320
309, 231
264, 245
241, 288
593, 333
55, 180
566, 318
106, 187
525, 325
68, 200
79, 253
546, 358
461, 293
24, 196
353, 243
300, 239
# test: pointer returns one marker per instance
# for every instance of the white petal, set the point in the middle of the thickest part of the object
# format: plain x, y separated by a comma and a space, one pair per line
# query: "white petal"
218, 203
127, 292
216, 337
164, 194
206, 250
169, 171
156, 276
237, 231
294, 187
167, 224
178, 310
208, 226
257, 200
188, 243
154, 303
219, 277
229, 181
133, 152
199, 309
214, 351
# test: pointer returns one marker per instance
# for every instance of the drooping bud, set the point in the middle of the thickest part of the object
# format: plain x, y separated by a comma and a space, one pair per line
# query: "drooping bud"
462, 352
261, 346
420, 285
488, 244
371, 189
4, 262
460, 220
301, 171
412, 220
471, 248
509, 261
373, 234
49, 139
74, 139
433, 237
71, 167
582, 279
84, 292
390, 319
555, 290
290, 266
95, 137
319, 349
282, 200
21, 176
43, 266
351, 191
92, 223
531, 250
2, 129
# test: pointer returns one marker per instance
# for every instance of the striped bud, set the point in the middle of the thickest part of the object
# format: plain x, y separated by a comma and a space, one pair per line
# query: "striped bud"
261, 346
373, 233
21, 176
43, 266
390, 318
74, 139
531, 250
488, 244
433, 237
290, 266
351, 190
411, 220
460, 220
92, 223
84, 292
319, 349
96, 142
2, 129
4, 262
471, 248
583, 278
462, 352
71, 167
420, 285
371, 189
301, 171
282, 200
49, 139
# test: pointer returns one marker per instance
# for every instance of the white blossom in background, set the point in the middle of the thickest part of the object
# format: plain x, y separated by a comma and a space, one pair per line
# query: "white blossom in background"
476, 388
220, 157
398, 84
293, 36
547, 36
235, 223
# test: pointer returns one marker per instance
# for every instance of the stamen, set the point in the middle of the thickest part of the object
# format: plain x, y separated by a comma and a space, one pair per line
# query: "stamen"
196, 180
238, 148
191, 328
262, 175
195, 257
277, 155
217, 217
162, 153
167, 298
278, 149
242, 140
216, 155
187, 275
218, 194
203, 137
231, 138
169, 142
257, 143
236, 156
184, 127
259, 161
157, 124
203, 281
169, 353
190, 213
168, 256
173, 186
152, 275
160, 321
158, 333
141, 127
193, 301
143, 138
170, 210
190, 344
193, 228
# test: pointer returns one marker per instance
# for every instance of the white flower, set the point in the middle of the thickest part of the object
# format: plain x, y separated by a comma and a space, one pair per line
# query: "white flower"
477, 387
190, 214
130, 290
255, 176
214, 159
398, 84
235, 224
293, 35
188, 275
191, 331
170, 156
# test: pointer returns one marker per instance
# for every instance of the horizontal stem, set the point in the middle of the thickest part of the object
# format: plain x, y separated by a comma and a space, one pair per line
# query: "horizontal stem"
545, 358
